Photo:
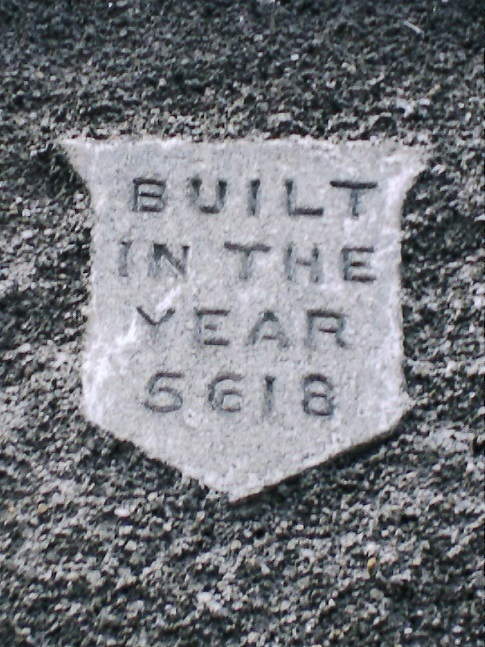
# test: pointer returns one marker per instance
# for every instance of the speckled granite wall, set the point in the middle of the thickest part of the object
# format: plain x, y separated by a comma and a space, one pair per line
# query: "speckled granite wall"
100, 545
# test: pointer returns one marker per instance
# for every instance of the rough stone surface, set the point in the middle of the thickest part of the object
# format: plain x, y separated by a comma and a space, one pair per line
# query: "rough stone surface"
101, 546
245, 320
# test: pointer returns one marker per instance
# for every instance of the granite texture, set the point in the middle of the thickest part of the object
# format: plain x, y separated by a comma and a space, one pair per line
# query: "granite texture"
100, 545
245, 316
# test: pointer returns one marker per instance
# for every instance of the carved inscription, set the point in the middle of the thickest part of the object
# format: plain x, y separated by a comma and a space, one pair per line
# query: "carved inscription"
357, 264
148, 194
123, 251
298, 265
163, 397
253, 206
225, 394
313, 262
217, 206
154, 322
268, 328
355, 189
161, 252
269, 395
296, 211
317, 395
247, 253
163, 261
245, 320
208, 327
325, 321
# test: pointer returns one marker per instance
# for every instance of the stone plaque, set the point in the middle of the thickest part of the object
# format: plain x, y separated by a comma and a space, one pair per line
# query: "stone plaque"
245, 319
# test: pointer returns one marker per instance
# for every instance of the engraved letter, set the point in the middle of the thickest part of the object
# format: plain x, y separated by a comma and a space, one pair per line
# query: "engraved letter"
268, 398
153, 322
246, 252
327, 322
224, 399
162, 251
254, 197
148, 195
125, 246
202, 327
355, 188
221, 189
295, 211
163, 398
356, 264
314, 263
268, 327
317, 395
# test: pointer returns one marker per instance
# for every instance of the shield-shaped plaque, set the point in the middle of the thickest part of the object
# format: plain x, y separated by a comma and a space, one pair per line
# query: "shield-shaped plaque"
245, 318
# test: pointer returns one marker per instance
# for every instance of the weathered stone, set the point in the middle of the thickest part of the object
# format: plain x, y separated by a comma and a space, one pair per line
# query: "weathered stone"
245, 315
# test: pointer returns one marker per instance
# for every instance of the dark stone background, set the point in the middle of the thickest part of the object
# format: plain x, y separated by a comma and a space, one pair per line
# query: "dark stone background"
98, 544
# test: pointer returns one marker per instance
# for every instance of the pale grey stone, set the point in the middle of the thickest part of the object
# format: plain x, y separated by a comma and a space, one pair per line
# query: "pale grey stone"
245, 319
